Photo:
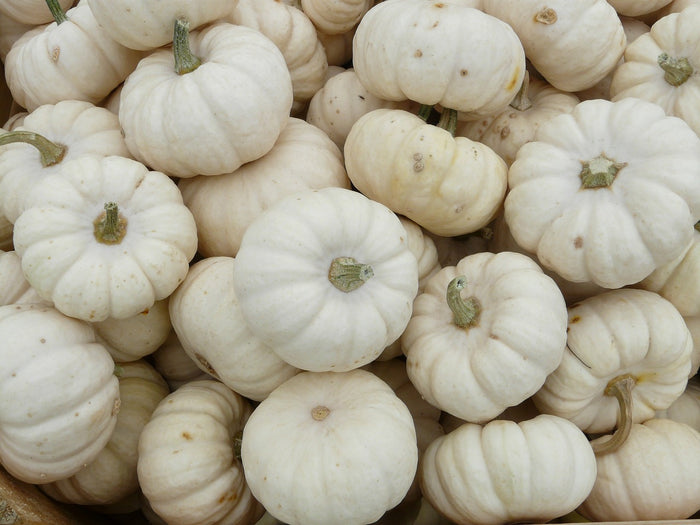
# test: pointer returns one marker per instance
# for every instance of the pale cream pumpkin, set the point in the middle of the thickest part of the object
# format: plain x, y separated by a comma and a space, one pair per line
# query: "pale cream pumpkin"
187, 466
207, 319
617, 204
624, 347
637, 7
295, 36
302, 158
558, 38
504, 133
105, 237
48, 137
332, 270
485, 334
335, 16
685, 409
111, 476
338, 47
14, 288
655, 475
175, 365
448, 185
507, 472
31, 12
446, 53
47, 64
11, 30
202, 116
59, 398
341, 101
148, 24
347, 435
661, 67
137, 336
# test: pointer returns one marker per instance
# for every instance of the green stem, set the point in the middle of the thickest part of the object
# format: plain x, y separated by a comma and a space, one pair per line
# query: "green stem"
424, 111
599, 172
237, 444
521, 102
448, 120
59, 15
185, 61
466, 312
110, 227
346, 274
50, 152
621, 387
676, 70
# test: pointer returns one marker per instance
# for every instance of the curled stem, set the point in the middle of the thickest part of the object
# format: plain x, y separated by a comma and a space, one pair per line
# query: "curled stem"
50, 152
620, 387
466, 312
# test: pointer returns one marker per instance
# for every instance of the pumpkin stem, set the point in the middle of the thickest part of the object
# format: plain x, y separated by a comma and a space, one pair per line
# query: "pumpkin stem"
50, 152
620, 387
110, 226
59, 15
237, 444
346, 274
118, 370
448, 120
466, 311
697, 226
521, 101
676, 70
599, 172
185, 61
8, 516
425, 111
320, 412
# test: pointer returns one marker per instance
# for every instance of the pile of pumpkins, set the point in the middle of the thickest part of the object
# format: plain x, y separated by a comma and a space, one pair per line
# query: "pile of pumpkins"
352, 261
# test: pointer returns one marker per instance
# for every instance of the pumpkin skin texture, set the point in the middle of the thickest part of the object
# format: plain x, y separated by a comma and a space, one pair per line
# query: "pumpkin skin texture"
446, 53
644, 73
347, 435
598, 204
288, 269
14, 288
448, 185
30, 12
207, 121
64, 259
111, 476
186, 466
175, 365
66, 62
655, 475
557, 38
334, 17
685, 409
223, 206
507, 472
504, 354
207, 320
618, 333
59, 398
79, 127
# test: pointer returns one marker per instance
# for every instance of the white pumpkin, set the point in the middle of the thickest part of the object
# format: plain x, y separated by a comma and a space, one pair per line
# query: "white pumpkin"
325, 279
621, 343
448, 185
14, 288
202, 117
148, 24
175, 365
206, 317
48, 137
335, 16
637, 7
223, 206
485, 334
661, 67
655, 475
685, 409
445, 52
105, 237
599, 204
111, 476
346, 435
505, 472
187, 466
31, 12
47, 64
59, 397
573, 45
